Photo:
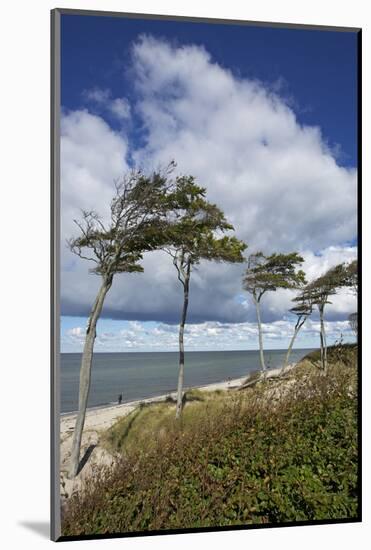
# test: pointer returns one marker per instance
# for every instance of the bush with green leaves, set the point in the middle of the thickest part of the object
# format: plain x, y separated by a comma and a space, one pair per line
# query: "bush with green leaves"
247, 460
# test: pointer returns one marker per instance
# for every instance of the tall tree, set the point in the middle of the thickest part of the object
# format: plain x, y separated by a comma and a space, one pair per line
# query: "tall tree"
137, 214
195, 235
303, 309
268, 274
318, 292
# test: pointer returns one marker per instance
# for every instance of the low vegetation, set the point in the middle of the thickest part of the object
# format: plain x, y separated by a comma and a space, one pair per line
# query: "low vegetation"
153, 423
281, 451
339, 353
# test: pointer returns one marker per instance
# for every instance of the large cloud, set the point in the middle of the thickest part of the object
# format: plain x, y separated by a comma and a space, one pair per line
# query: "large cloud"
92, 157
276, 180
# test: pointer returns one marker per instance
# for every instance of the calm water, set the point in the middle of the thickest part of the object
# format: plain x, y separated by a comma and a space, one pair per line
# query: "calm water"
140, 375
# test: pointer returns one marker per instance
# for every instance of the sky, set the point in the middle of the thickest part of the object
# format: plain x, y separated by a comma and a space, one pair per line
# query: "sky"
264, 118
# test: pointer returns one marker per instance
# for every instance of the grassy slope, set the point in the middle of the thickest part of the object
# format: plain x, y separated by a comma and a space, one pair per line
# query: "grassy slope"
281, 451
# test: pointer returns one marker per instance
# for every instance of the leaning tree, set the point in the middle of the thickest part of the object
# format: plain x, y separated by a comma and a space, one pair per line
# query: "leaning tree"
135, 225
318, 292
268, 274
195, 234
302, 309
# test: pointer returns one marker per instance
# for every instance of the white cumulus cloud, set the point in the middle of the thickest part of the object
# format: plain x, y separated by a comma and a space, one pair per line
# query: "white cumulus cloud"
276, 180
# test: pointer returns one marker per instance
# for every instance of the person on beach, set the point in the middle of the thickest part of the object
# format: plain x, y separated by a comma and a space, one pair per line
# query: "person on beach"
120, 399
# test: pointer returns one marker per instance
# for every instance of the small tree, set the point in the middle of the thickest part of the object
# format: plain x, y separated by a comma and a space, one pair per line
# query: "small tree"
195, 235
302, 310
136, 224
318, 292
268, 274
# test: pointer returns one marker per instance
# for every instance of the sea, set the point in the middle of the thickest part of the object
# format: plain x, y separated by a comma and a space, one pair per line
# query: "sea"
149, 374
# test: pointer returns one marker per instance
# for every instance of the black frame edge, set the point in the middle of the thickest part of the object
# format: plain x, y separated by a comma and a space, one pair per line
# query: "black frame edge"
215, 529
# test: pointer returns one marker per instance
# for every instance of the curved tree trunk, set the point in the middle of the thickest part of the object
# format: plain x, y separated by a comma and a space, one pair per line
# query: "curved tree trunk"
298, 326
179, 398
323, 340
289, 350
262, 362
85, 375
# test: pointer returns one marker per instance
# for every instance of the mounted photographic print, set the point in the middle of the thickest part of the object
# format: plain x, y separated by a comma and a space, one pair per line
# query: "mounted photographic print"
205, 177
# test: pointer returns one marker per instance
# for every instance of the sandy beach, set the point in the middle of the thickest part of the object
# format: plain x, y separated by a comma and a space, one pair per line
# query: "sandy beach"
100, 419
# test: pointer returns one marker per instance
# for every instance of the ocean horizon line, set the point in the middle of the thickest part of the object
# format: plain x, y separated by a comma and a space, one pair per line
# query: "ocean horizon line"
189, 351
138, 375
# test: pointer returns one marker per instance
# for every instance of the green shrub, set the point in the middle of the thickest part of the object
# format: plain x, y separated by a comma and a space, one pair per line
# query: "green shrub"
237, 459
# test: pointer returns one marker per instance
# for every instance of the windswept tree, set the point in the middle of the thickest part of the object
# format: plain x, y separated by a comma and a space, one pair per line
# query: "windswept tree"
303, 309
268, 274
352, 282
195, 234
135, 225
318, 292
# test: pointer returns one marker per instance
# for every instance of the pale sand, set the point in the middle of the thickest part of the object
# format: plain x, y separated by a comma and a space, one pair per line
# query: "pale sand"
103, 418
100, 419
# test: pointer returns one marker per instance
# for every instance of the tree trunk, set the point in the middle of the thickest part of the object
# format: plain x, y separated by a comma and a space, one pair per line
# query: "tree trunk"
298, 326
85, 375
289, 350
262, 363
179, 399
323, 340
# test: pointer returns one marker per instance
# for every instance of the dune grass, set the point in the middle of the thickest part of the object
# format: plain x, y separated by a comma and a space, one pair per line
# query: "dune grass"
153, 422
257, 456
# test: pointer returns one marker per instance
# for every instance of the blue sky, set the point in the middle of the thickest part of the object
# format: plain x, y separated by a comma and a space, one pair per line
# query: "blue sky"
123, 80
315, 70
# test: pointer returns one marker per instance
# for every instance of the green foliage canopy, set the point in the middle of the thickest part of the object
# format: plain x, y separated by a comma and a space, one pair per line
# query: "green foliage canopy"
196, 227
318, 291
138, 216
269, 273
